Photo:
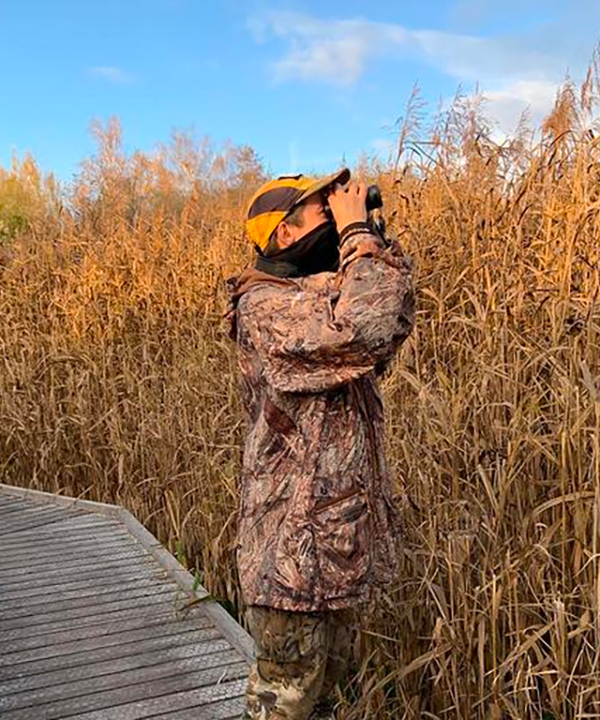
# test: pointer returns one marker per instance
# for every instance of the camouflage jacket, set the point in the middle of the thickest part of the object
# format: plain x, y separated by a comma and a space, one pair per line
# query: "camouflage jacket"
317, 522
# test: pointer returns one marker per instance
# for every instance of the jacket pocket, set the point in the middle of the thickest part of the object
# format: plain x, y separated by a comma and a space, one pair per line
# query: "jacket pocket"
342, 536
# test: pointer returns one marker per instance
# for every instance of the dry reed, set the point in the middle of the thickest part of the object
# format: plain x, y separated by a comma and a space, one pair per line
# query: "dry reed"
117, 384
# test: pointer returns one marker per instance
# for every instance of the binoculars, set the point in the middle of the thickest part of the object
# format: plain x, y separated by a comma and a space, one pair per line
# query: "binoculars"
374, 201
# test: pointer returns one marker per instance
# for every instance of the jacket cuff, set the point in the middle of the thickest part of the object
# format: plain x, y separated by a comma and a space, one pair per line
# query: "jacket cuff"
354, 229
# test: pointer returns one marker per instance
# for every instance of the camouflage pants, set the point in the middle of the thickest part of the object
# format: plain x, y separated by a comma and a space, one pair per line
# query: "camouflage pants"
300, 657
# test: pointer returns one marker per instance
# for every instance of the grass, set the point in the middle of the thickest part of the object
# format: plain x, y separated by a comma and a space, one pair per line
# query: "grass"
117, 384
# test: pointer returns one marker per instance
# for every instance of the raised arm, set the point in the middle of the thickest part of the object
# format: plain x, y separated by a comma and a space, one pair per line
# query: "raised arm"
316, 340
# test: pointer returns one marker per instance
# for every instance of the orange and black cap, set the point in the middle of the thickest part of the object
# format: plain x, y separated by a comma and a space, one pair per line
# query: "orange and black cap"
273, 202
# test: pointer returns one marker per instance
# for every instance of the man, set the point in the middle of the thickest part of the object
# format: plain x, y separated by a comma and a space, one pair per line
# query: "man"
316, 320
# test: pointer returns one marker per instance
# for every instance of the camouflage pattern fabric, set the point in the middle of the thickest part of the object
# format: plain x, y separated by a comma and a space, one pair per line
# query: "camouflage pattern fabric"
300, 657
318, 523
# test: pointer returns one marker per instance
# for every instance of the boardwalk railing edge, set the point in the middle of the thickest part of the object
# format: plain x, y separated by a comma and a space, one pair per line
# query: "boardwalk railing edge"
232, 631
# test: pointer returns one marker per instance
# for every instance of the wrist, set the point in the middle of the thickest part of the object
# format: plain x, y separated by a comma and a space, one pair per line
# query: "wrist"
354, 228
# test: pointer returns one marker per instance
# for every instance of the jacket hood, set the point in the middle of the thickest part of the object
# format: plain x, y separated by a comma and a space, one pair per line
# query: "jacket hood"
239, 286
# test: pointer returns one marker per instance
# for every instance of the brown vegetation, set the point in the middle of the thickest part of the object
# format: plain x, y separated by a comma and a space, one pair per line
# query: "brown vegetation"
117, 384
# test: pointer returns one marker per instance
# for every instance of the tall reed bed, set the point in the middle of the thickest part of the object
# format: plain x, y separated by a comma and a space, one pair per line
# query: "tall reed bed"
118, 384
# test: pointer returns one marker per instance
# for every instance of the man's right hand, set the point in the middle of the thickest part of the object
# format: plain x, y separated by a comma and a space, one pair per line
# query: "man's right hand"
348, 204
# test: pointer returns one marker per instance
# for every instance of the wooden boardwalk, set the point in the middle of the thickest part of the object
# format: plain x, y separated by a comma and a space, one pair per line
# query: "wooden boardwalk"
93, 624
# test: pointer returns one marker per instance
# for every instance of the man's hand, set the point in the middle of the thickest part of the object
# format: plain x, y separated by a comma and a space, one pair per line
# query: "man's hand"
348, 204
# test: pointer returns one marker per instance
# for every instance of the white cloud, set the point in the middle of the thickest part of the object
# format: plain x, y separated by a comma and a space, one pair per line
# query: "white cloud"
509, 103
334, 51
112, 74
339, 61
515, 74
339, 51
466, 57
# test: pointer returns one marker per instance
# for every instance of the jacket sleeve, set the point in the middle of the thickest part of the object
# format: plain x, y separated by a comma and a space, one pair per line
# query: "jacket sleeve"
316, 340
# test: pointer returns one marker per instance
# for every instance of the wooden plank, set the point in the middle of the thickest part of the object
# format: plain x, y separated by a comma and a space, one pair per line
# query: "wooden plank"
229, 627
4, 498
36, 522
93, 601
56, 638
75, 675
89, 656
51, 564
18, 506
73, 552
119, 637
236, 635
154, 706
71, 527
80, 530
79, 608
68, 552
124, 573
9, 514
129, 567
113, 681
75, 527
99, 540
7, 501
42, 621
234, 632
77, 568
85, 591
77, 517
143, 697
29, 514
86, 527
51, 581
100, 532
81, 626
220, 710
28, 510
98, 554
150, 608
38, 496
34, 556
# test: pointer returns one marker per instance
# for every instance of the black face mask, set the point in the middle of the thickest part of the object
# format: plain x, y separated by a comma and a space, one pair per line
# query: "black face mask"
319, 251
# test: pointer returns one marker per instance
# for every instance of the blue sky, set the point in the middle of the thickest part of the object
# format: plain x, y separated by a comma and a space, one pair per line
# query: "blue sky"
306, 83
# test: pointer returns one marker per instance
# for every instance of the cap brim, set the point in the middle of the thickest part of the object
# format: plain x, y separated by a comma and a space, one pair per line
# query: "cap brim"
341, 177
